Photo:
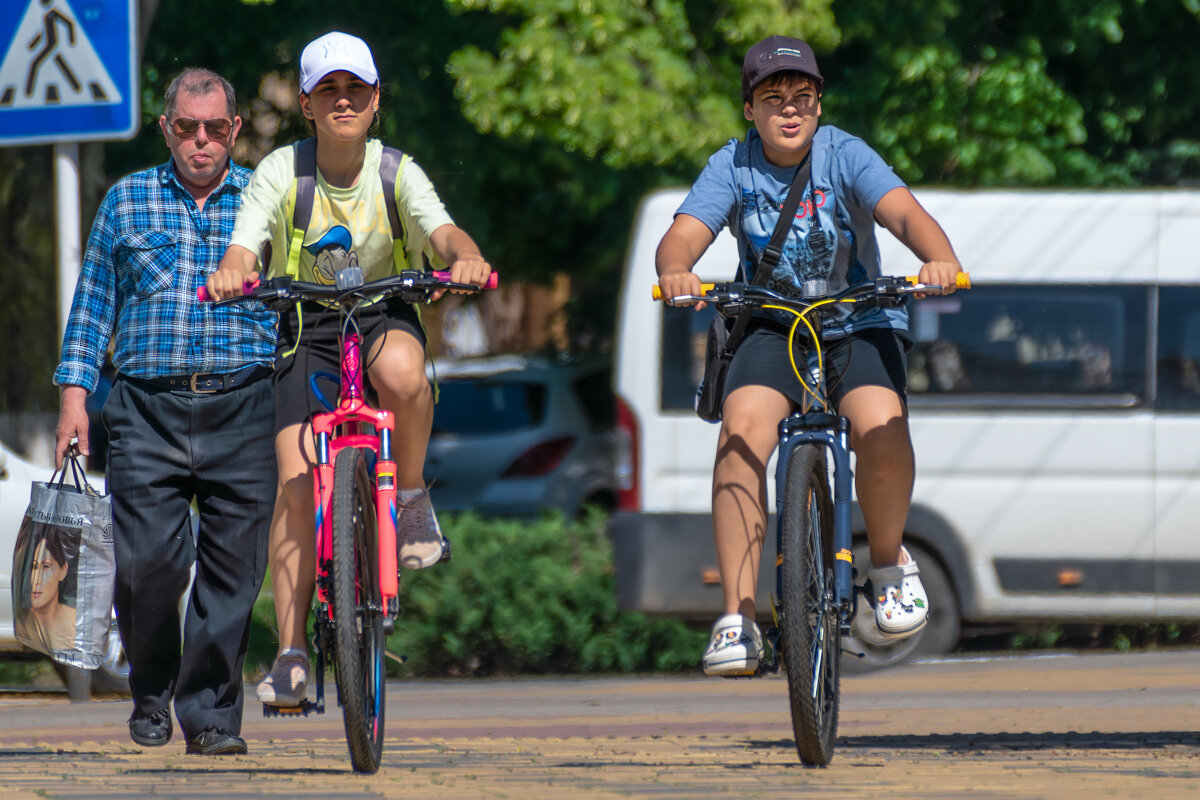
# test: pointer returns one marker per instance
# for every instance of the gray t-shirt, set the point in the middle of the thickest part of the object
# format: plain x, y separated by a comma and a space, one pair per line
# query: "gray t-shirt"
740, 188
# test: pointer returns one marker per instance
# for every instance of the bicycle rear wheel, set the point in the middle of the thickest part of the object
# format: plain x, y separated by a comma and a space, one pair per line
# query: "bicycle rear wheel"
357, 614
810, 632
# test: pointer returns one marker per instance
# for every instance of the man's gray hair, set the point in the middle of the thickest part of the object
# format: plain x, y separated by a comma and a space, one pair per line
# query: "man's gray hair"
198, 82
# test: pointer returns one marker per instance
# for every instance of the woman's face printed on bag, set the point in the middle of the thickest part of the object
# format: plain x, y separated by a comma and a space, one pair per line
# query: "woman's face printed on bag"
44, 577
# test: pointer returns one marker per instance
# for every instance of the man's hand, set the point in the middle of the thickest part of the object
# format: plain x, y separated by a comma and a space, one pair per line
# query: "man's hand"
72, 423
678, 284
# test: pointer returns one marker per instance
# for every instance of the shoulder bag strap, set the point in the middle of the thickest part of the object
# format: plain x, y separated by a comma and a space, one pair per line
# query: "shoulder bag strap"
774, 249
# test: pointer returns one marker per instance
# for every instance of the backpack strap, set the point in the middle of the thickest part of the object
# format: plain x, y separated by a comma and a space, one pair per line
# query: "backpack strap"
391, 164
304, 189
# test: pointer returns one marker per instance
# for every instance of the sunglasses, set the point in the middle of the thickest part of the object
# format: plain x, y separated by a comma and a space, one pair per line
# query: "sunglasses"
217, 129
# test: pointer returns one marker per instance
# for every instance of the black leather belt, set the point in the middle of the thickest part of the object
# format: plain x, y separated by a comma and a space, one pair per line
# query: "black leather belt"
206, 384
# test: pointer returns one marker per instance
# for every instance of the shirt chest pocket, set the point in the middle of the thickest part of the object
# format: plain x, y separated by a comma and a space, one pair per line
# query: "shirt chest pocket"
149, 262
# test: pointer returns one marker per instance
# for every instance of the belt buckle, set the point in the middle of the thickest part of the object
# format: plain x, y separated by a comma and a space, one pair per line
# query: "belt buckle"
196, 389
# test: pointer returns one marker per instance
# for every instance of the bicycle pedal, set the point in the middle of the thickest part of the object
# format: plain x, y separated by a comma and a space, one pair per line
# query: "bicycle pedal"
445, 551
303, 710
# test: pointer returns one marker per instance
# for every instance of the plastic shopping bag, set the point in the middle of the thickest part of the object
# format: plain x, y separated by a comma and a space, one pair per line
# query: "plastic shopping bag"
64, 569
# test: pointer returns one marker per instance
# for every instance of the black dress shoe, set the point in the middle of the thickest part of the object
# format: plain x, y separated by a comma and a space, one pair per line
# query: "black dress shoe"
151, 731
216, 742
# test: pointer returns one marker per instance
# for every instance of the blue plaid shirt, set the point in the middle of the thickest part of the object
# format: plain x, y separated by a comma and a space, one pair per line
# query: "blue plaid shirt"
149, 250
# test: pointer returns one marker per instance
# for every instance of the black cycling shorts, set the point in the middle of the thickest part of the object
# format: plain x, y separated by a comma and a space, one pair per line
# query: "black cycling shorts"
872, 357
319, 330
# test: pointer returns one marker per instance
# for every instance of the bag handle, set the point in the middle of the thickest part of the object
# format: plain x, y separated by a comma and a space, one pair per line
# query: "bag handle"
78, 474
774, 248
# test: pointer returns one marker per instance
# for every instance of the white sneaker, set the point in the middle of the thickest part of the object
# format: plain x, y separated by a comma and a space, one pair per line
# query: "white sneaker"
735, 648
901, 606
287, 685
418, 535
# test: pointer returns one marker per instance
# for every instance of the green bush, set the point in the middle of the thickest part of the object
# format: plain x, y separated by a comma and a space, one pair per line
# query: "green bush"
529, 596
519, 596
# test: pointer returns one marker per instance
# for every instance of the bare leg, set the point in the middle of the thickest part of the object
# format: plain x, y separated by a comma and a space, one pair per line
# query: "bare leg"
292, 545
749, 434
884, 469
397, 370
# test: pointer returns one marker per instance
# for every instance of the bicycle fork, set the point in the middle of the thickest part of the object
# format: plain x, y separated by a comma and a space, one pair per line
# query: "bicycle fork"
833, 433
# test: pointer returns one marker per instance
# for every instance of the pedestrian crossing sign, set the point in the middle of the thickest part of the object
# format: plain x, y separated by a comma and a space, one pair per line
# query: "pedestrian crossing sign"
68, 71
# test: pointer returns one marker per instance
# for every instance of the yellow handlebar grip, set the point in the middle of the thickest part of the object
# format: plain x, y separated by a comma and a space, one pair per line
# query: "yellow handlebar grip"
656, 292
961, 281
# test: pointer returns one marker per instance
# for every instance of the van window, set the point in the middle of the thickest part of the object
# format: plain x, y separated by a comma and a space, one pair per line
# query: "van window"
1032, 340
684, 339
1179, 348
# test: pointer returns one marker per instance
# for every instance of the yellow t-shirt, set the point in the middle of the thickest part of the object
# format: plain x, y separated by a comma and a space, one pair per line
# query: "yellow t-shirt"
348, 225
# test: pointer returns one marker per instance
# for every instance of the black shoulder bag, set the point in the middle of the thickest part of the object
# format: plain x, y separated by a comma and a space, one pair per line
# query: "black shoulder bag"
725, 333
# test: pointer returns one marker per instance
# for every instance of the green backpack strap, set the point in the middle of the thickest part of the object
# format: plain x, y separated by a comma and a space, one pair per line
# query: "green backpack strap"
391, 163
304, 189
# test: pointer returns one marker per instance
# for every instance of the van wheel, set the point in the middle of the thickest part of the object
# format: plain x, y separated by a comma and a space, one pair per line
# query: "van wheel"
940, 634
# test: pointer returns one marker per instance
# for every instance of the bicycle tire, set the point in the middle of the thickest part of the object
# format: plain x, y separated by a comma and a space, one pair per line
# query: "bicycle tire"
810, 630
358, 629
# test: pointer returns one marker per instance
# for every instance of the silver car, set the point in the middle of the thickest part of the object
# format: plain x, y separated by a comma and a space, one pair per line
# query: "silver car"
519, 434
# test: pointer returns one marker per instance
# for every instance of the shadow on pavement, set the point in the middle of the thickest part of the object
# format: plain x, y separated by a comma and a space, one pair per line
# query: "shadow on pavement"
1096, 740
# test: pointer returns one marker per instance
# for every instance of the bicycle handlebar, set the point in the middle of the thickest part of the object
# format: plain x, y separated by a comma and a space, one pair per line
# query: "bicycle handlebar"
409, 280
962, 281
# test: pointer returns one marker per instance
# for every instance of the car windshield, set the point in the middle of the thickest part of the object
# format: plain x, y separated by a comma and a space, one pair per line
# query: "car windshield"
487, 406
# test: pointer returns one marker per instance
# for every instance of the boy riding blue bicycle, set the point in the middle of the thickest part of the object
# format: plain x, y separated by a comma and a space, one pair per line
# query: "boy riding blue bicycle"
851, 188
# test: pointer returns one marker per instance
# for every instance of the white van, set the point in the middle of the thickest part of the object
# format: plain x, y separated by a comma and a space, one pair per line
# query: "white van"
1055, 415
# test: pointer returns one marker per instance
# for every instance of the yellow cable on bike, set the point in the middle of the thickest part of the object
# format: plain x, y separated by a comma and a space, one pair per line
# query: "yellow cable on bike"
792, 349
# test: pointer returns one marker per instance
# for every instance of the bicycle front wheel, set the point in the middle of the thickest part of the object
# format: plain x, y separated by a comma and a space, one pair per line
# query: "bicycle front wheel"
357, 610
810, 632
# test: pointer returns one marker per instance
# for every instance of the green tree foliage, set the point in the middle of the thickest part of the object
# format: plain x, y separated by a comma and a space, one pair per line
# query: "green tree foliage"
631, 81
982, 94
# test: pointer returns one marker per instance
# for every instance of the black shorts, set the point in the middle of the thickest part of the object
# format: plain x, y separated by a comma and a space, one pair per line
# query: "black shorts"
872, 357
319, 330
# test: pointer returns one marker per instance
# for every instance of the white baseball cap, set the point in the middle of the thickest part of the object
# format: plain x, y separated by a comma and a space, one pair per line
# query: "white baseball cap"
332, 52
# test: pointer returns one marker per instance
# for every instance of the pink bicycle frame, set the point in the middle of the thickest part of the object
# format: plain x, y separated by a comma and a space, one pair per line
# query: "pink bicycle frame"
352, 408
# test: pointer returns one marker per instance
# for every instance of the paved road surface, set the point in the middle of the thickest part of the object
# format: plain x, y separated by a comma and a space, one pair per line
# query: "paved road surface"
1122, 726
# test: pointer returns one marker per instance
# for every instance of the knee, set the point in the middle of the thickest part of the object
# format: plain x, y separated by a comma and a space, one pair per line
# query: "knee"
881, 437
295, 491
401, 376
746, 441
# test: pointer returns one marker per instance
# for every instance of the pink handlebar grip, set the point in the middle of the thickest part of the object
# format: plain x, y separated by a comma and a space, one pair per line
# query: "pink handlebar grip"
492, 281
247, 288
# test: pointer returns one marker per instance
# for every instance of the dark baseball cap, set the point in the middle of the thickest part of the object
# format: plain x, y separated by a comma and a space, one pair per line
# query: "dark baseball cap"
777, 54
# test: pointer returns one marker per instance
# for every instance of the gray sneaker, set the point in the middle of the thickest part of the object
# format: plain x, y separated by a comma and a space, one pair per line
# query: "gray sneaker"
287, 685
418, 535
